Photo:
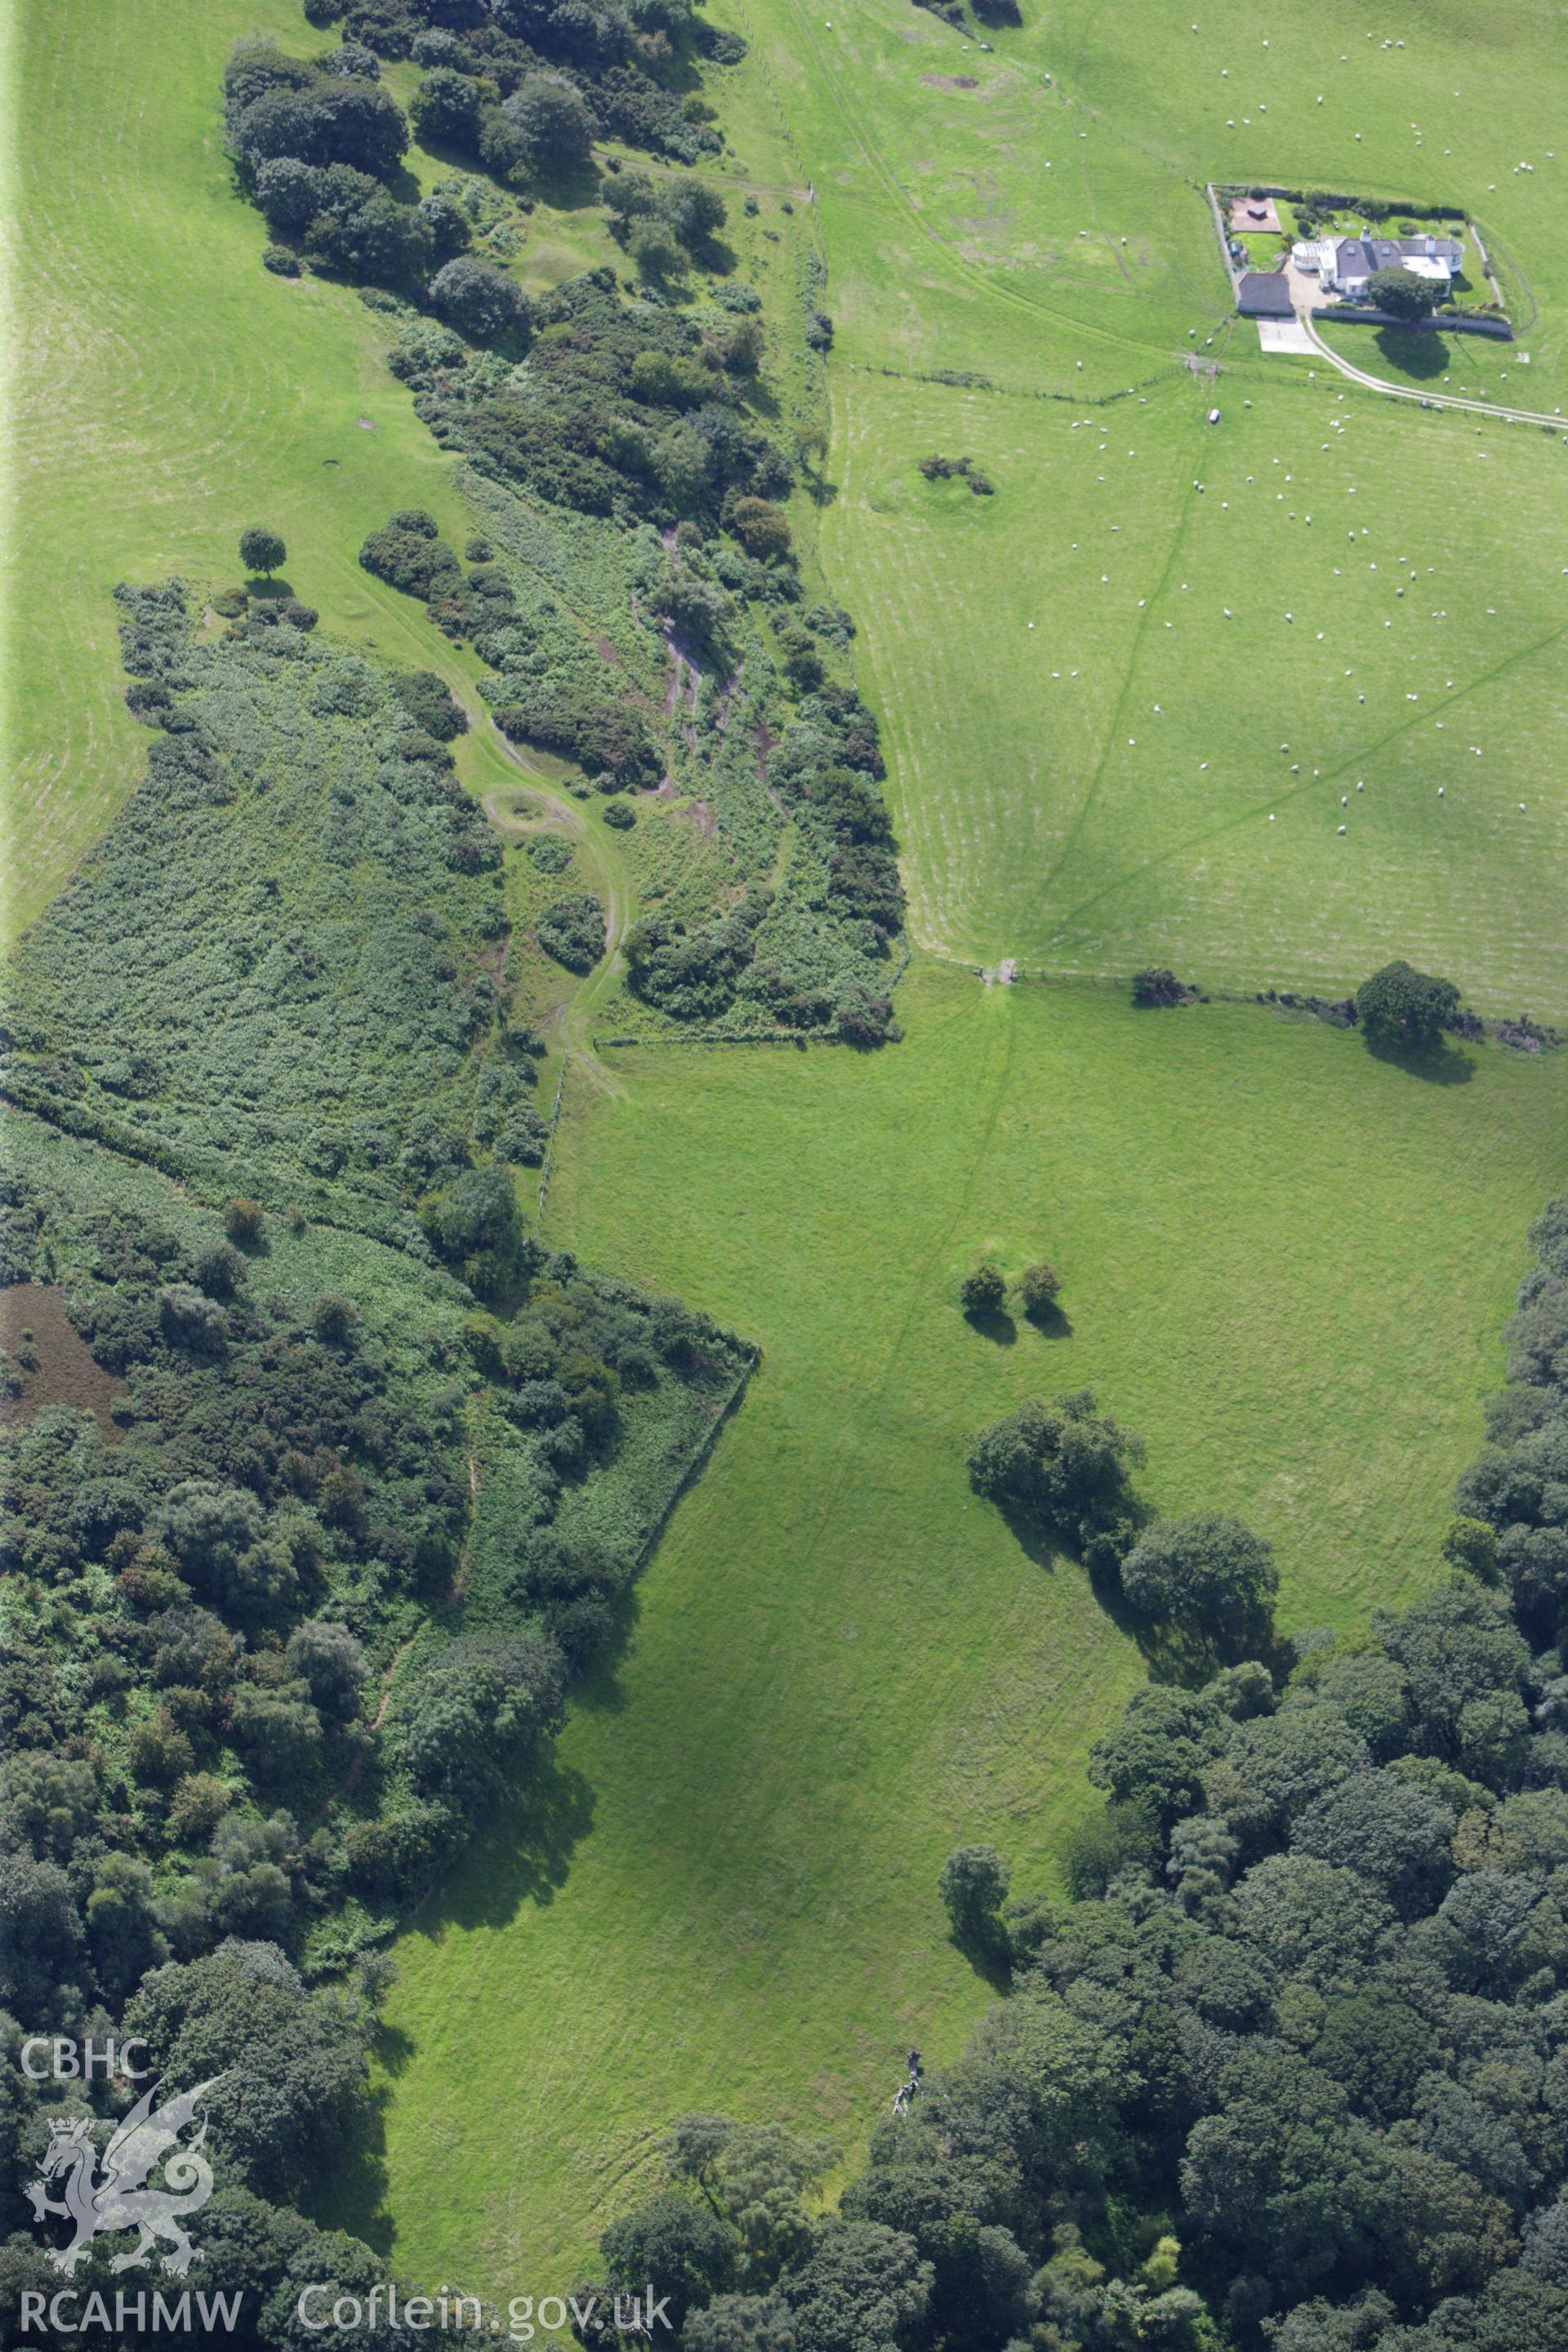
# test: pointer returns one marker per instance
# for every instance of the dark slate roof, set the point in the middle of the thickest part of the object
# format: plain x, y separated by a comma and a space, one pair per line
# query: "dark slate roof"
1391, 252
1263, 294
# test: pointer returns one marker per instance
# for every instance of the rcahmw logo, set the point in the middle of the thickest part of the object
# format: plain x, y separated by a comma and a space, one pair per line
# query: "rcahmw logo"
100, 2195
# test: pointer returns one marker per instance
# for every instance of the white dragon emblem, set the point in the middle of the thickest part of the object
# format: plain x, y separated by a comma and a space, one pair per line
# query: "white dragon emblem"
117, 2200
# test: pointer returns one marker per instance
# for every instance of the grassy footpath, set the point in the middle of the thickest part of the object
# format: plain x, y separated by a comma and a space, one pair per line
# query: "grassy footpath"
1286, 1263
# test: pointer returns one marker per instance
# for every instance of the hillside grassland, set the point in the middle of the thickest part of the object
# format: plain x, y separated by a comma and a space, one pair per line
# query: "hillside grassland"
844, 1663
167, 392
976, 227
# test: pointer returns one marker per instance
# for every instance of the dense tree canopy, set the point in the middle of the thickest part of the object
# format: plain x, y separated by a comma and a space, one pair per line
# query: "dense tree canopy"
1208, 1574
482, 300
1067, 1467
555, 119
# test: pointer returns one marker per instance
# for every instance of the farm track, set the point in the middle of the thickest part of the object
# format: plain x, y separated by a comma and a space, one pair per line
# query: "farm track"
607, 873
1494, 409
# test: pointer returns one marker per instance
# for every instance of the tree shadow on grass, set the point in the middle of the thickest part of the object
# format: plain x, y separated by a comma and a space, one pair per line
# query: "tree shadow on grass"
994, 1324
1441, 1064
597, 1687
522, 1855
712, 253
570, 190
986, 1957
1047, 1552
1049, 1322
1414, 351
758, 401
352, 2195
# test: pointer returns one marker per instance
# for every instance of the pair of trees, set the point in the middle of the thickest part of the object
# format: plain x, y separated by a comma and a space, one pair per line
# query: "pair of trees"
545, 126
983, 1290
662, 227
276, 105
1067, 1468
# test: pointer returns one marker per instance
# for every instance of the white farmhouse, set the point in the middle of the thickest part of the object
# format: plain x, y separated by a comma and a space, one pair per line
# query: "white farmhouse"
1345, 262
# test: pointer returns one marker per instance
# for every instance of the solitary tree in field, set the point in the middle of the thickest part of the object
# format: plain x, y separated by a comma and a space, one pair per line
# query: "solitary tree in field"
984, 1291
1401, 294
1038, 1286
973, 1887
1402, 1006
261, 550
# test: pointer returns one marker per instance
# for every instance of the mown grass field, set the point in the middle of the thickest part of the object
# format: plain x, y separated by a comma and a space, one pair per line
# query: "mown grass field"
1090, 720
1285, 1262
1065, 820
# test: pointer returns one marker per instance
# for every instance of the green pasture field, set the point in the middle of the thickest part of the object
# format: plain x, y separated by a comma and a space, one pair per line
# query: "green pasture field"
1472, 366
843, 1663
997, 228
1064, 821
1109, 786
